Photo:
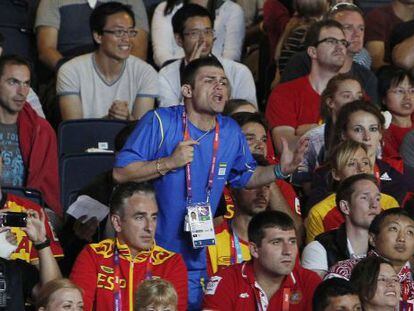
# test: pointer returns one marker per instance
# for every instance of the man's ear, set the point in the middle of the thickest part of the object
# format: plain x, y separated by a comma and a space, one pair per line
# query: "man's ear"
116, 222
97, 37
187, 91
178, 39
311, 51
344, 207
254, 250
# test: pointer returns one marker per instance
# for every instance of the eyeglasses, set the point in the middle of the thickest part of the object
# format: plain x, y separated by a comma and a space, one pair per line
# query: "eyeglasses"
195, 33
401, 92
333, 41
119, 33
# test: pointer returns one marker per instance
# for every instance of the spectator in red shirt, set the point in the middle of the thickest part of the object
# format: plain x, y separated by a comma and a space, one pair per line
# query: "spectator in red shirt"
396, 87
271, 280
293, 107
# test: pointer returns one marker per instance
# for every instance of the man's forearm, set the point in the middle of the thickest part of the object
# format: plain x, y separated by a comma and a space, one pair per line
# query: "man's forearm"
263, 175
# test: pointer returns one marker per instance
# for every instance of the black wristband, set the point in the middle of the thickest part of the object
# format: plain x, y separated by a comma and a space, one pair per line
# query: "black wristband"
43, 245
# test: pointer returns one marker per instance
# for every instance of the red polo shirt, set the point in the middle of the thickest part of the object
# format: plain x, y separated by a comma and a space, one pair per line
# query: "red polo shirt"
235, 288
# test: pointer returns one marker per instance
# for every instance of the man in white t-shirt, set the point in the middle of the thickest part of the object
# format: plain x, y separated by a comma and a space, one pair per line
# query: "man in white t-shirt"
194, 32
358, 199
109, 82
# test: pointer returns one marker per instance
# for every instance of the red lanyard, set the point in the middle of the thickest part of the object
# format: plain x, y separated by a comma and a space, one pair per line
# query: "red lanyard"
117, 274
213, 161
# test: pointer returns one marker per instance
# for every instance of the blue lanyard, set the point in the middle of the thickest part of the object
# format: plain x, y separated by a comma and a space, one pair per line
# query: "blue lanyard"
236, 255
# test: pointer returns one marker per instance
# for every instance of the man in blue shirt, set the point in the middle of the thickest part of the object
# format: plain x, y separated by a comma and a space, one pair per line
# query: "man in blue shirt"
166, 141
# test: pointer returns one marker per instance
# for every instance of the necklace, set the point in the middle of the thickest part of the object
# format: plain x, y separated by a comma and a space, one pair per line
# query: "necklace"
202, 136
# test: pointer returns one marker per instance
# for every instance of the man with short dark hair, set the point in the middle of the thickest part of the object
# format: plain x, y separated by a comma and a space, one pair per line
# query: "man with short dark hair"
109, 271
109, 82
194, 32
190, 152
294, 107
336, 294
271, 280
358, 199
27, 141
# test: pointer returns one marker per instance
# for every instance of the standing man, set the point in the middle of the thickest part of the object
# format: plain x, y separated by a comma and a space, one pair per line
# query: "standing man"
194, 32
271, 280
131, 257
190, 152
27, 141
358, 199
109, 82
294, 107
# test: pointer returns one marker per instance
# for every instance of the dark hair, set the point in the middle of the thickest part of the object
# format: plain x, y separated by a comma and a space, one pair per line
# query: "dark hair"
265, 220
13, 60
364, 277
346, 187
243, 118
391, 76
378, 221
233, 104
124, 191
1, 40
346, 111
344, 7
312, 36
186, 12
331, 89
99, 15
331, 288
122, 136
190, 71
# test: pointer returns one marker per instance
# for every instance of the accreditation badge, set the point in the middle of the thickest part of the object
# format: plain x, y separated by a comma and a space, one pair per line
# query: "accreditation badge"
200, 225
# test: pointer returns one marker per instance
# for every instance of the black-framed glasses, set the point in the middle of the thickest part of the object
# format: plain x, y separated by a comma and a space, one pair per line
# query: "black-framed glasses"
333, 41
119, 33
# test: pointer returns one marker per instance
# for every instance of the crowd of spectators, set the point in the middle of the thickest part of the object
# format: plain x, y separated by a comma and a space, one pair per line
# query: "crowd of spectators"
266, 162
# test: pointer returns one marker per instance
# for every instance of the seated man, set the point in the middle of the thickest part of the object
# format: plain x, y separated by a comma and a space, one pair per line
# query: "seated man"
294, 107
28, 142
109, 82
272, 279
336, 294
63, 31
358, 199
391, 237
232, 244
18, 278
131, 257
193, 29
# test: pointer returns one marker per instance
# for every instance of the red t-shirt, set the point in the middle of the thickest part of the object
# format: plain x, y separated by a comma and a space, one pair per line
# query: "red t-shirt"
235, 288
293, 103
393, 138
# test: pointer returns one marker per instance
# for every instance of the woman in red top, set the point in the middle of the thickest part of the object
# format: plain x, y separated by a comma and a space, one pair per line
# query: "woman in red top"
396, 88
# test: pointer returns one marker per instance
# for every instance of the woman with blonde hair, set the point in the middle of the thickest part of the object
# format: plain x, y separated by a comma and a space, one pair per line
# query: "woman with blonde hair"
59, 295
156, 295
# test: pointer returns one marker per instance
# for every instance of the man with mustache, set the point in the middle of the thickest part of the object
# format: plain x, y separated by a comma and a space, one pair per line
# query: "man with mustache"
271, 280
293, 107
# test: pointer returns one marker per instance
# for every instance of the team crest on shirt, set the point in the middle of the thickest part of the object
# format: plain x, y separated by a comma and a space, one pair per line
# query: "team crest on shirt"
212, 285
295, 297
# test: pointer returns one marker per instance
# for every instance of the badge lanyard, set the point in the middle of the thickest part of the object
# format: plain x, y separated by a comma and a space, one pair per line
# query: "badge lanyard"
236, 255
213, 161
117, 272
